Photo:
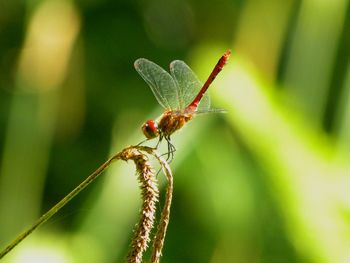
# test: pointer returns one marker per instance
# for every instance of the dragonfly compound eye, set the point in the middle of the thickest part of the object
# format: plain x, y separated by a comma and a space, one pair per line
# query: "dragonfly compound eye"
150, 129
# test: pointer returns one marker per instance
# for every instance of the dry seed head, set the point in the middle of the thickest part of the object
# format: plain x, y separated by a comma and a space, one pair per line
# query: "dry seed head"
149, 193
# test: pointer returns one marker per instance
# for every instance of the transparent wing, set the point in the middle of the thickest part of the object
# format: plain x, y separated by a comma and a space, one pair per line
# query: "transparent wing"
204, 104
161, 83
188, 85
211, 110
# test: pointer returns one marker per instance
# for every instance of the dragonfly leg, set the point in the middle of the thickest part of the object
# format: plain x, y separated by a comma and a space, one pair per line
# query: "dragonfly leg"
171, 150
142, 142
159, 141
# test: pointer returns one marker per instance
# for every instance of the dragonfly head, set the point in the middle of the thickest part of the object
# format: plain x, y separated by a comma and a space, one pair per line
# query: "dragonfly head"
150, 129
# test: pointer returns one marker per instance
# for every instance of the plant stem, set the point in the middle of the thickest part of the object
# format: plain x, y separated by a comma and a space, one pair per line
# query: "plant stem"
158, 241
150, 195
59, 205
159, 238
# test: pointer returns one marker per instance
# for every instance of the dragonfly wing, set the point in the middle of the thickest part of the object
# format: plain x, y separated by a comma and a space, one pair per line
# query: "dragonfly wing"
204, 104
161, 83
211, 110
188, 85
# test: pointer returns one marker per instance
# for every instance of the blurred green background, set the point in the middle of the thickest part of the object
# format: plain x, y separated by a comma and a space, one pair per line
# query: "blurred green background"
266, 182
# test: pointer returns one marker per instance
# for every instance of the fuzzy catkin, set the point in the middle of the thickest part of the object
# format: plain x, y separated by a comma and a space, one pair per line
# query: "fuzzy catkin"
150, 194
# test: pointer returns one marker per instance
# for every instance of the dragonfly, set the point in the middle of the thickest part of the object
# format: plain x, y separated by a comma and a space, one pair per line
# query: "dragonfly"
180, 93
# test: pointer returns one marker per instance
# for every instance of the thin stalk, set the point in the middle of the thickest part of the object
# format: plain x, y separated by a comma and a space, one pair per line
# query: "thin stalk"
60, 204
150, 196
159, 238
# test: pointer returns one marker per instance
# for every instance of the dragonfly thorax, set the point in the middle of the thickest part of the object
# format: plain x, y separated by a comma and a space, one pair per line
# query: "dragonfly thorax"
172, 121
169, 122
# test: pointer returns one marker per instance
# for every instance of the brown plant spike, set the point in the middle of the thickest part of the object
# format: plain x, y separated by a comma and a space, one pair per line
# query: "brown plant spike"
150, 193
159, 238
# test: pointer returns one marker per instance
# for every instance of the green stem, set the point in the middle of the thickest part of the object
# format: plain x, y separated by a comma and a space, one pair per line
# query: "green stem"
59, 205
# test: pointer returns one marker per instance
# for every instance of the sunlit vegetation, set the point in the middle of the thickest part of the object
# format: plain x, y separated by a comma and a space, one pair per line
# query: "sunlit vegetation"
268, 181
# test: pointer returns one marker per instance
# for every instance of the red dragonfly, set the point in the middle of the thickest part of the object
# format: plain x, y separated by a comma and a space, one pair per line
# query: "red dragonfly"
181, 94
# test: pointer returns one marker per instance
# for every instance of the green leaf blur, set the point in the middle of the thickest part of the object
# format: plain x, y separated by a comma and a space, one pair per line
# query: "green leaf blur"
268, 181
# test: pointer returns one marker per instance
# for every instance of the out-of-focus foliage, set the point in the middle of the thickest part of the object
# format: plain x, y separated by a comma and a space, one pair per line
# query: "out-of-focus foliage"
266, 182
